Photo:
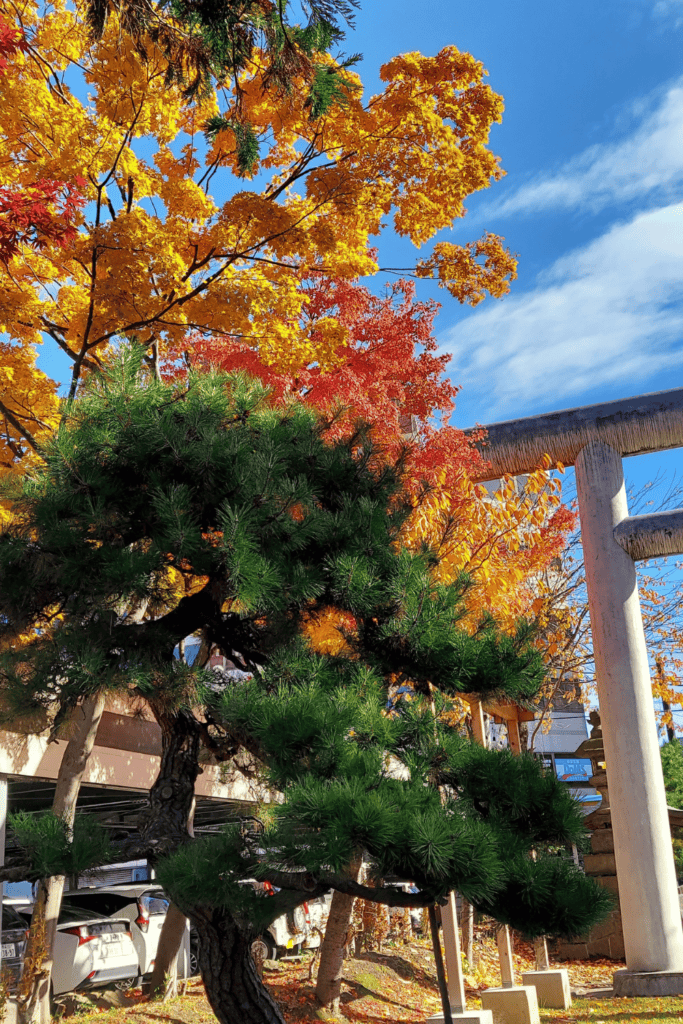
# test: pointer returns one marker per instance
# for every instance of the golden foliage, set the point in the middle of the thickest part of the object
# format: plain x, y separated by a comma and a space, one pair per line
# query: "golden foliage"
171, 240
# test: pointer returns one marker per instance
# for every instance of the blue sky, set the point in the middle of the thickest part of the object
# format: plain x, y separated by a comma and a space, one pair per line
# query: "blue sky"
592, 142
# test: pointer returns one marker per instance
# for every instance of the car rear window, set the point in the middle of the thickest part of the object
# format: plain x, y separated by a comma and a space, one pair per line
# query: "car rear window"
69, 914
10, 919
102, 904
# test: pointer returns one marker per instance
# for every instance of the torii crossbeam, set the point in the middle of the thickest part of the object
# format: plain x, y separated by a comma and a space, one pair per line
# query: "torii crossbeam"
594, 439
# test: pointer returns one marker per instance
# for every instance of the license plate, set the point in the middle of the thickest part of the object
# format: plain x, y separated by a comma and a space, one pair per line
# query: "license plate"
112, 949
8, 950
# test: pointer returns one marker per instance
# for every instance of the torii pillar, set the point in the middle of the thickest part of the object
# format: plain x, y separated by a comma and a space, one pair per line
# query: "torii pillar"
594, 439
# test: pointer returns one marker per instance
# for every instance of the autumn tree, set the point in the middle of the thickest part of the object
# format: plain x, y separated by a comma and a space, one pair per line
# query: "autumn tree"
309, 184
158, 254
388, 374
273, 523
31, 215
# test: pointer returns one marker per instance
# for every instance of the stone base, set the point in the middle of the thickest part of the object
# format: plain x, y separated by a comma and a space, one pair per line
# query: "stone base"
552, 987
648, 983
517, 1005
469, 1016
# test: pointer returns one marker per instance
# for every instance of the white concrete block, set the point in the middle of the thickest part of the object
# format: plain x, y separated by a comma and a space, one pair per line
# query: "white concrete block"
647, 983
517, 1005
552, 987
468, 1016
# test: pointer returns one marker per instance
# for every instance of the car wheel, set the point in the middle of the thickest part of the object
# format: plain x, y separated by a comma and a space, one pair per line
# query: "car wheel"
125, 984
194, 953
263, 948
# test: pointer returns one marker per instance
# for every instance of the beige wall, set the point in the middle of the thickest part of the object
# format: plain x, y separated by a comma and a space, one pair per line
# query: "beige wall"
126, 755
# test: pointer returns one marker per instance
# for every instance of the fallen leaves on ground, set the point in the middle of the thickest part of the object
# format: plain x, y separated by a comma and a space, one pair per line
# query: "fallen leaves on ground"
399, 985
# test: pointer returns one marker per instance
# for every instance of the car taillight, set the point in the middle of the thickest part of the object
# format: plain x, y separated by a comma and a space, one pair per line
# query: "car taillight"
83, 934
142, 922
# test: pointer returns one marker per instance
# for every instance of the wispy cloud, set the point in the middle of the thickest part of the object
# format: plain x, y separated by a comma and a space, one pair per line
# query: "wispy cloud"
648, 161
609, 312
669, 8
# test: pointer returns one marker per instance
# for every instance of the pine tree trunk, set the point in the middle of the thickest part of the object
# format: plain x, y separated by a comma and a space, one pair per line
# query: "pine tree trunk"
331, 967
34, 1001
165, 974
233, 987
166, 960
167, 823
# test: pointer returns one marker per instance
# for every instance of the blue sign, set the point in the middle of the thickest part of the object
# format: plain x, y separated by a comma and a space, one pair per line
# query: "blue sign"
574, 769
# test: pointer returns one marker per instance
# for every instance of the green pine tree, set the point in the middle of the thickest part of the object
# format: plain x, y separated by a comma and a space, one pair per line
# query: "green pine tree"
150, 483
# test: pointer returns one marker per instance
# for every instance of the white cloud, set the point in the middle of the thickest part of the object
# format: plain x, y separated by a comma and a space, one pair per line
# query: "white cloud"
648, 161
665, 8
609, 312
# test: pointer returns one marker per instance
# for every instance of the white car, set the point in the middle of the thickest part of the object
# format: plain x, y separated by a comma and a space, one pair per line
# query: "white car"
90, 951
143, 905
302, 928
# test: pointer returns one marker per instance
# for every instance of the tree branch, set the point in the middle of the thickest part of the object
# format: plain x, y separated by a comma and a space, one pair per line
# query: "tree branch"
24, 431
312, 884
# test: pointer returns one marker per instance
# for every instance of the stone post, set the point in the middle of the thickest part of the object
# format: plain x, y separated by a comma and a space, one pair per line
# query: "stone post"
451, 943
645, 867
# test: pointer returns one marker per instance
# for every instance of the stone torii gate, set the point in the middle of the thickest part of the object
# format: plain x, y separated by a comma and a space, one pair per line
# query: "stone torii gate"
594, 439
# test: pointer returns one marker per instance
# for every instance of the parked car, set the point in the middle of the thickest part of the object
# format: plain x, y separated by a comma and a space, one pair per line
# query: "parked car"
14, 932
143, 906
91, 951
302, 928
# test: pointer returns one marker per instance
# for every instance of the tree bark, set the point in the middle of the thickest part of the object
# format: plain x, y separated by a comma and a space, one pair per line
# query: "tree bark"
34, 999
165, 973
167, 822
331, 967
233, 987
164, 977
467, 925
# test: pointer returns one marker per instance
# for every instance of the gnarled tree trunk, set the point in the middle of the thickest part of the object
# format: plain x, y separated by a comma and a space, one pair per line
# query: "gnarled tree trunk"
167, 821
236, 993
